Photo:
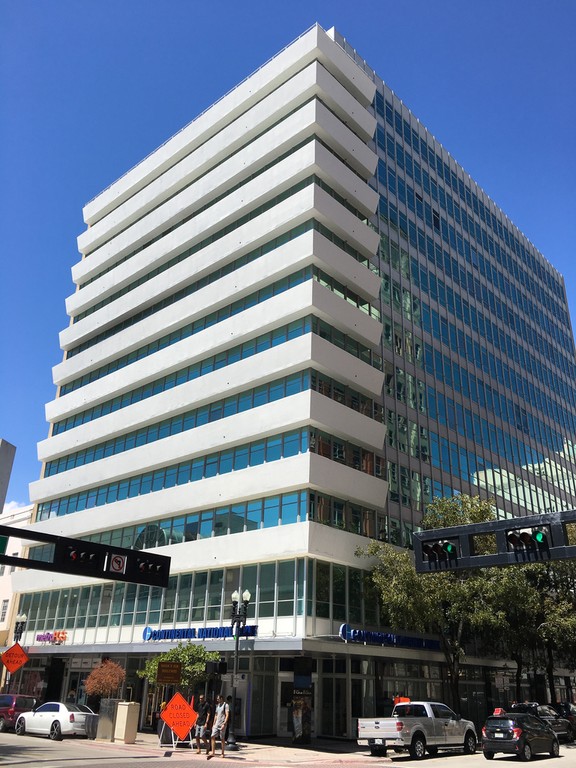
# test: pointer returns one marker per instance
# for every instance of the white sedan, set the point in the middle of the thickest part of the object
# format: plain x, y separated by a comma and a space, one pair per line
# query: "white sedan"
55, 720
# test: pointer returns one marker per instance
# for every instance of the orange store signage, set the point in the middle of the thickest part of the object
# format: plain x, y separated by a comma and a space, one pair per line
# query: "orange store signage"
179, 716
14, 658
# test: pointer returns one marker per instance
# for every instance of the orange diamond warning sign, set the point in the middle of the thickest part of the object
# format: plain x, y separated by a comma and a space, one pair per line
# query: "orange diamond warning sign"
179, 716
14, 658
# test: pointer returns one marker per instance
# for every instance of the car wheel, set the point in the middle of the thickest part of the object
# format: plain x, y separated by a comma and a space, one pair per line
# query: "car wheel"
417, 749
489, 755
525, 753
55, 731
3, 726
469, 743
432, 751
20, 726
570, 736
555, 749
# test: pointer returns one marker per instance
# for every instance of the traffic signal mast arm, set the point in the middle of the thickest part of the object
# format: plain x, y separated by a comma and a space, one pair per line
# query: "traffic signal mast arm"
518, 540
89, 558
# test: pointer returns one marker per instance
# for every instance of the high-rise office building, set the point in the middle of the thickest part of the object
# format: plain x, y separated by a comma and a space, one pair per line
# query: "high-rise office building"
294, 324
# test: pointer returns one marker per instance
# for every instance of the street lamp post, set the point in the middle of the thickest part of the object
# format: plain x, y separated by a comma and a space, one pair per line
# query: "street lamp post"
238, 620
20, 626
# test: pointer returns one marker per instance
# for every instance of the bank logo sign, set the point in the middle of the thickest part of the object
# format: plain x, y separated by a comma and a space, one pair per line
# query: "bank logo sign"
367, 637
193, 633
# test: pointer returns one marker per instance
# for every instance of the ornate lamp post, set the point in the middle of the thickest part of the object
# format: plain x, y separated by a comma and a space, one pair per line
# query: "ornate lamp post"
20, 626
238, 620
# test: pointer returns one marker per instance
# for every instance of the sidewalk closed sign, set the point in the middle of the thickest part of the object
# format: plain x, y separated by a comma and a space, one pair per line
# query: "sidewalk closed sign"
169, 673
179, 716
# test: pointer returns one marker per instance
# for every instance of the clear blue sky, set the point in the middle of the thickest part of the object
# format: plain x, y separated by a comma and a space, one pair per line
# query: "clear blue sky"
90, 87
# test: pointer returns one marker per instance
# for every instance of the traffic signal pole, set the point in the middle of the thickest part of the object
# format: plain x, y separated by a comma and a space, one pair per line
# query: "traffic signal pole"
515, 541
89, 558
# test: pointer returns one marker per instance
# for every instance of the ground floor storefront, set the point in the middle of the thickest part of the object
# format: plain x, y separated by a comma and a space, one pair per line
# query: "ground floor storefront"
295, 688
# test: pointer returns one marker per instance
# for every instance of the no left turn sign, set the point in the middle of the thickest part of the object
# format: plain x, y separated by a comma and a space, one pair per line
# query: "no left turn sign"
117, 563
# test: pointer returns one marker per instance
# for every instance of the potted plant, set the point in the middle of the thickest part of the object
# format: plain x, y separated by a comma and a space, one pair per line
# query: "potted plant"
102, 684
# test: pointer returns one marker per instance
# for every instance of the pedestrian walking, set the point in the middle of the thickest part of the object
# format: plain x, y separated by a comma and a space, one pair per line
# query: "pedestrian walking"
203, 722
221, 715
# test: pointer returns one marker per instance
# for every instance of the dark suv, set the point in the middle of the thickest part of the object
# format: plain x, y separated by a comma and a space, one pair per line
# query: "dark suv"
11, 705
567, 710
520, 734
560, 725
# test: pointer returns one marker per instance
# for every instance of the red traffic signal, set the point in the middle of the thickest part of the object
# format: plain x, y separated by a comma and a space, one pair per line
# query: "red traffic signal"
80, 557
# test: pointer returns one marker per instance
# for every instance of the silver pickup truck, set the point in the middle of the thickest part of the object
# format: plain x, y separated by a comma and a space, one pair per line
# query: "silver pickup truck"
419, 727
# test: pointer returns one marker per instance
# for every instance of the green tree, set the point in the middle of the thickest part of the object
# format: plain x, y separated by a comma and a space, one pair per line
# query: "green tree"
526, 613
556, 619
506, 615
193, 659
440, 603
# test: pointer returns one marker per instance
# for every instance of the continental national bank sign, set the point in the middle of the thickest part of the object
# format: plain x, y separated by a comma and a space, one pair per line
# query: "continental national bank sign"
196, 633
351, 635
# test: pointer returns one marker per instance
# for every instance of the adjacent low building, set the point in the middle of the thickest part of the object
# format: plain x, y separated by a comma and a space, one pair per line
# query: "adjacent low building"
293, 325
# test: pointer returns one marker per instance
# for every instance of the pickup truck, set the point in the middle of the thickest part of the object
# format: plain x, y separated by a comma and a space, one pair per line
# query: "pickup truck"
419, 727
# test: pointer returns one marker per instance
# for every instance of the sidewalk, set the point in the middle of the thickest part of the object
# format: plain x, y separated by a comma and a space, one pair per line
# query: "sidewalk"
273, 751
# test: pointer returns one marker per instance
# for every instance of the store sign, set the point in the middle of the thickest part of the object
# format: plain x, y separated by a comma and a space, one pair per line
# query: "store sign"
200, 633
56, 638
169, 673
367, 637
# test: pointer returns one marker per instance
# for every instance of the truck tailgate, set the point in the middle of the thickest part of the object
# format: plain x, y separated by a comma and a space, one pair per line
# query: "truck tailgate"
384, 728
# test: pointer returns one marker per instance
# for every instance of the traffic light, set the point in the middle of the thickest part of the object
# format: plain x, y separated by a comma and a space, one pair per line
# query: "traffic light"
88, 558
497, 543
440, 551
216, 667
526, 539
148, 568
81, 557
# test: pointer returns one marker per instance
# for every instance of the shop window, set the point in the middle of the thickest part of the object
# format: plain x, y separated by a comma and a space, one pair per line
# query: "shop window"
267, 590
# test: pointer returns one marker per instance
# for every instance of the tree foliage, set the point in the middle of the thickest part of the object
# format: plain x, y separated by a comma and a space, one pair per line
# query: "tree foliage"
105, 680
525, 613
193, 660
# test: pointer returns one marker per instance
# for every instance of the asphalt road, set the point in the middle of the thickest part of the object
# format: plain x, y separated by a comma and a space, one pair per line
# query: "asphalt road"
34, 752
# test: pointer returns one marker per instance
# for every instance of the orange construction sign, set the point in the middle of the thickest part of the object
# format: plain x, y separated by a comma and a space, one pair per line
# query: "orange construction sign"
179, 716
14, 658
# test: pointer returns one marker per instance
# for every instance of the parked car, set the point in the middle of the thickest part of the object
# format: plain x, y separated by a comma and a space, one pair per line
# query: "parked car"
55, 720
418, 727
12, 705
567, 710
560, 725
518, 733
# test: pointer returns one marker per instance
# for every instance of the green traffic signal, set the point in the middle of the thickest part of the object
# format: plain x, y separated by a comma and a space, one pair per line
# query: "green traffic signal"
439, 550
526, 539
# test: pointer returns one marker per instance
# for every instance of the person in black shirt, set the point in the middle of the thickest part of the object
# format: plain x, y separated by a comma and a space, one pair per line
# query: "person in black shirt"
203, 722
